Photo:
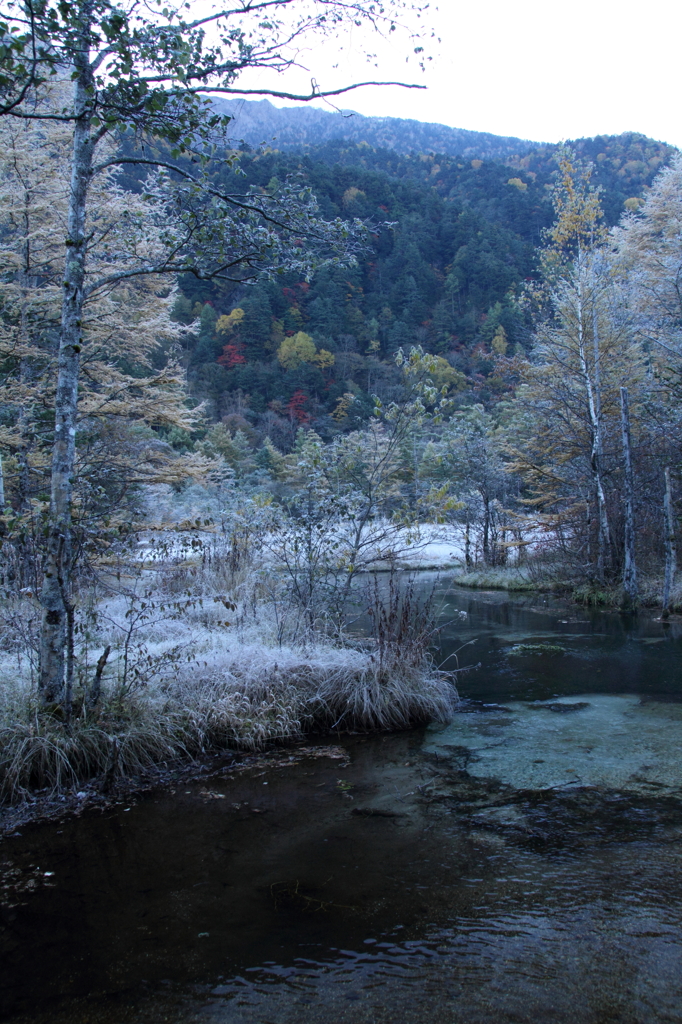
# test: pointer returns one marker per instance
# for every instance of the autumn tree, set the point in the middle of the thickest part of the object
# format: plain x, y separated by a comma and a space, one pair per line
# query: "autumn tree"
567, 438
123, 400
648, 247
300, 348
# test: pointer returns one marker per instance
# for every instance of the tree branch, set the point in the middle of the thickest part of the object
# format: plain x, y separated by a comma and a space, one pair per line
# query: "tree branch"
315, 94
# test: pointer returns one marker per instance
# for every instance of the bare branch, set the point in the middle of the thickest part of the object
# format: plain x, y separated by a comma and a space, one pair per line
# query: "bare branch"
315, 94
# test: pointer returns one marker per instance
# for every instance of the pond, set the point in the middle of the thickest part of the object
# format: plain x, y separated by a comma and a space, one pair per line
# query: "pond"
519, 865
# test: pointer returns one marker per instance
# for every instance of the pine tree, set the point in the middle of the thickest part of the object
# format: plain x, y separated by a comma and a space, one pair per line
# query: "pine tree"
269, 458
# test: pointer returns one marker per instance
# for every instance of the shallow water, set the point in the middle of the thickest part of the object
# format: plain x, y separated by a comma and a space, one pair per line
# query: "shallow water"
520, 865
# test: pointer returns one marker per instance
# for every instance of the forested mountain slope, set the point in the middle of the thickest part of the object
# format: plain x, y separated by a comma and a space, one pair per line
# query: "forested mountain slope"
453, 246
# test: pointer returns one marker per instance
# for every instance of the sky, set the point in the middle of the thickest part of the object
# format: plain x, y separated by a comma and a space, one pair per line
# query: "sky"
536, 69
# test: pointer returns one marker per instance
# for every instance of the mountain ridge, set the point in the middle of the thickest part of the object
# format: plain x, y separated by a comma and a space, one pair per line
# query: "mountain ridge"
257, 121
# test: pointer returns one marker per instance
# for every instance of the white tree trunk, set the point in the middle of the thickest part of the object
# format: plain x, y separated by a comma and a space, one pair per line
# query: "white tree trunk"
670, 549
604, 555
56, 591
630, 592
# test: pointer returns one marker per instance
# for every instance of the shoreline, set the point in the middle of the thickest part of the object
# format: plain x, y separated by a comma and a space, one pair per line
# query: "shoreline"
102, 791
53, 808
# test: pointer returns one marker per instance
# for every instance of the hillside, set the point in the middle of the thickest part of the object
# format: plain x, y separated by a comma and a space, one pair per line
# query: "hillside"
624, 166
448, 273
260, 123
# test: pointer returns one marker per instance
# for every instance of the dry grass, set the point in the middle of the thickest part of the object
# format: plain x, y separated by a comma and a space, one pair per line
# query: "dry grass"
180, 682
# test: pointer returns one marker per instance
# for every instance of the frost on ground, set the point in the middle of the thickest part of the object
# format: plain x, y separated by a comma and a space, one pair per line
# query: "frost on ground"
200, 659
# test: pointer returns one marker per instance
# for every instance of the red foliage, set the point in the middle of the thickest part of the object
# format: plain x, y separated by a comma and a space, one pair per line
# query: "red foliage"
293, 295
295, 407
233, 355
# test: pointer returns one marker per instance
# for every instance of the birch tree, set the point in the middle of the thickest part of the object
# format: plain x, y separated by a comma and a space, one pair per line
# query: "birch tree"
571, 264
566, 437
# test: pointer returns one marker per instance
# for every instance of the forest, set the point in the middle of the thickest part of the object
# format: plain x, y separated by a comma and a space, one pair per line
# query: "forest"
454, 247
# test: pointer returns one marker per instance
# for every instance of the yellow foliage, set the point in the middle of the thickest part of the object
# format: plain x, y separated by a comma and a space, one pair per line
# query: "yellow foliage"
226, 324
351, 197
499, 342
577, 207
442, 374
342, 406
518, 183
323, 359
476, 164
300, 348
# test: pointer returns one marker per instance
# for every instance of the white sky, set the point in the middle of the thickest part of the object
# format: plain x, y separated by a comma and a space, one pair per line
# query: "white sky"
536, 69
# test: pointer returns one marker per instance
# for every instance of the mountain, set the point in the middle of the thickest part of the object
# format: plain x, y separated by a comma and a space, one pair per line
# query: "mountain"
454, 247
258, 122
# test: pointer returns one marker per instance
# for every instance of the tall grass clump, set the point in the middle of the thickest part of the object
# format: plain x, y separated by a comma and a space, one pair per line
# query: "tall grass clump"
399, 685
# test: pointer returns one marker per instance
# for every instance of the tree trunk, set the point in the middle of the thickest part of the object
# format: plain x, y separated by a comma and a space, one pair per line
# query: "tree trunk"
630, 593
467, 544
96, 689
670, 551
56, 591
486, 531
593, 405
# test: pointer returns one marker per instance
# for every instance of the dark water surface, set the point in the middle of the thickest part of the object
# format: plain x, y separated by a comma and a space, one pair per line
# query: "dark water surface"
415, 879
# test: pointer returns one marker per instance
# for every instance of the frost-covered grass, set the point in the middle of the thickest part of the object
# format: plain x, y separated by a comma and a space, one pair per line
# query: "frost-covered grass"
502, 578
552, 577
192, 672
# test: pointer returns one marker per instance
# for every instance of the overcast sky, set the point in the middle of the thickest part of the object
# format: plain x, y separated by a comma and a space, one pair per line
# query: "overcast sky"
536, 69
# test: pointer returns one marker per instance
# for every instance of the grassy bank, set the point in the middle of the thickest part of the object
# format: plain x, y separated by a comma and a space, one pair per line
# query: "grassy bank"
650, 591
503, 578
520, 579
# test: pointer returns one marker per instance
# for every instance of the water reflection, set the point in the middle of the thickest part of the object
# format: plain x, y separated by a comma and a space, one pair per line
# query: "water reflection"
603, 652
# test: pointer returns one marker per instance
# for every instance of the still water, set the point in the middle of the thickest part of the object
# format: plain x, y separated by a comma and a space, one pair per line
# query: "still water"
520, 865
